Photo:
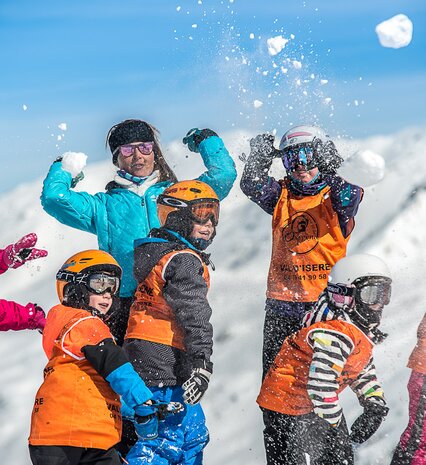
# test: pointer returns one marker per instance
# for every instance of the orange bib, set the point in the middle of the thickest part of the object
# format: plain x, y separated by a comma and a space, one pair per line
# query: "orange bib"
74, 406
151, 317
284, 388
306, 242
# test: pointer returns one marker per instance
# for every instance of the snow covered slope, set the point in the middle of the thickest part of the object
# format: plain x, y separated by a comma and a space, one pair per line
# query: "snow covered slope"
390, 224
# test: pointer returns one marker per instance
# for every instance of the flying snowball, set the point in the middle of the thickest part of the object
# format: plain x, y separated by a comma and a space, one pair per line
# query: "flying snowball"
395, 32
364, 168
276, 44
62, 126
257, 103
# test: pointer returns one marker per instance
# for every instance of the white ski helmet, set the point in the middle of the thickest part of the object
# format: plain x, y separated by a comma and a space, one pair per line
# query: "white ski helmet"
361, 286
347, 270
303, 135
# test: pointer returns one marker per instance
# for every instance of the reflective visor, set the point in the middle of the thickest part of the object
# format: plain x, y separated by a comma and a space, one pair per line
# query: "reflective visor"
100, 283
372, 293
296, 156
205, 210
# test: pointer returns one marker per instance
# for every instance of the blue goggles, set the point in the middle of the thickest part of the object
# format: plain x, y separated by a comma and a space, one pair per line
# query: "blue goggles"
296, 156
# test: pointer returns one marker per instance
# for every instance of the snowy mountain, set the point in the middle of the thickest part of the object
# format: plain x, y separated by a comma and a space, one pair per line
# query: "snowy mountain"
390, 224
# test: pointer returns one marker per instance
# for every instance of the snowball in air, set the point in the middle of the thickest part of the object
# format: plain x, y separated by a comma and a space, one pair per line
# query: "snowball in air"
276, 44
62, 126
395, 32
257, 103
297, 64
364, 168
24, 107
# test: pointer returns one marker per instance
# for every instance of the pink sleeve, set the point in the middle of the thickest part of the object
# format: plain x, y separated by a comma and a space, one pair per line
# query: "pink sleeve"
3, 266
14, 316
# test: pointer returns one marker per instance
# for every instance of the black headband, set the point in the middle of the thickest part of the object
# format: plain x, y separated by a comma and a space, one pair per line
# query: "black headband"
127, 132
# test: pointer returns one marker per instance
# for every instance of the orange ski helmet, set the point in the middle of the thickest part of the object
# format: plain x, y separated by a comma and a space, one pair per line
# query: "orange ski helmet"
77, 268
185, 203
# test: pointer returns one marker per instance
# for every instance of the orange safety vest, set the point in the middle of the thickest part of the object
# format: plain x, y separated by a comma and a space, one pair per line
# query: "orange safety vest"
151, 317
306, 242
417, 360
284, 387
75, 406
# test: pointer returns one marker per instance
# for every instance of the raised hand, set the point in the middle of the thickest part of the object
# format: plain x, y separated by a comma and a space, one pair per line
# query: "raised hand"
15, 255
195, 136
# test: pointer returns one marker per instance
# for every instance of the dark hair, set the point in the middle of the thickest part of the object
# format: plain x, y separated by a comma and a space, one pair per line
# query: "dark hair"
135, 130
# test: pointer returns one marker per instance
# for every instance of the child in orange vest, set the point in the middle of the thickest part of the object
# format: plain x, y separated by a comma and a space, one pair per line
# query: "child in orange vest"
313, 212
169, 337
300, 393
76, 417
411, 449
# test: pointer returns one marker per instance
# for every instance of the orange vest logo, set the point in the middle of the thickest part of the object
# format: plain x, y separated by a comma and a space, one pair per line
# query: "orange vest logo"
301, 233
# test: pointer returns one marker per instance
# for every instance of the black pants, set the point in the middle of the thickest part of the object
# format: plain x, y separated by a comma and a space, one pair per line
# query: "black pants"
287, 438
67, 455
276, 328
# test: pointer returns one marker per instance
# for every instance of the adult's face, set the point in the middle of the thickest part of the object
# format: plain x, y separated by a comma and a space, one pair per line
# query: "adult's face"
139, 164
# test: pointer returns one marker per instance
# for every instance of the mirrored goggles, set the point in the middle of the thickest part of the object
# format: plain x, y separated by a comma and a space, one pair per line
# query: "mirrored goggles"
372, 293
128, 150
203, 211
296, 156
100, 283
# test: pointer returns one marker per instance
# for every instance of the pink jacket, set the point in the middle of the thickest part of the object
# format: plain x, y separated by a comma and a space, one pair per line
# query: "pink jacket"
14, 316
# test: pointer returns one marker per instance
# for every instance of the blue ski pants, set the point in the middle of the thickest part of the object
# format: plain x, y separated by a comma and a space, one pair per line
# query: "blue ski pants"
181, 437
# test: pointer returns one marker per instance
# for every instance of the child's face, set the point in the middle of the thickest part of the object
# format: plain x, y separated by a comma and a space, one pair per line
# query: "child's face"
102, 302
203, 231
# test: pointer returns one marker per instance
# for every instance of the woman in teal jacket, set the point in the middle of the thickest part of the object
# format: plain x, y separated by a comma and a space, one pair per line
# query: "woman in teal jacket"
128, 210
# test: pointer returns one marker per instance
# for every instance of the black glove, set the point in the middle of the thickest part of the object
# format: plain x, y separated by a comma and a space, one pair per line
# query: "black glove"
195, 136
263, 146
368, 422
197, 384
328, 158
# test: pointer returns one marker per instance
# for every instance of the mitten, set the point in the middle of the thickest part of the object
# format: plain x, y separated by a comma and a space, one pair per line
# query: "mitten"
327, 157
195, 136
37, 317
262, 146
15, 255
368, 422
195, 387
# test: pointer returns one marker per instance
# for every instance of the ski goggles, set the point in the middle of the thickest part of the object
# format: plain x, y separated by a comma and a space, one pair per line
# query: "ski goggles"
200, 210
99, 283
129, 150
299, 155
204, 211
374, 292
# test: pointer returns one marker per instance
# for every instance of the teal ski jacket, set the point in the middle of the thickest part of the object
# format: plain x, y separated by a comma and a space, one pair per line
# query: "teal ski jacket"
119, 216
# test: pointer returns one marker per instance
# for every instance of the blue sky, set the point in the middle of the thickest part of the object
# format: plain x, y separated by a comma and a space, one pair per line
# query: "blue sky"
93, 63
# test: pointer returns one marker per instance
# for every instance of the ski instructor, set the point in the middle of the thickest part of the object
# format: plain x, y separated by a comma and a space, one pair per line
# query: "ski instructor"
127, 210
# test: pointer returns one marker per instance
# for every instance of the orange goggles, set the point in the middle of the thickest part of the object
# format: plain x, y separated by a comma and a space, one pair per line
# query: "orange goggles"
205, 210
